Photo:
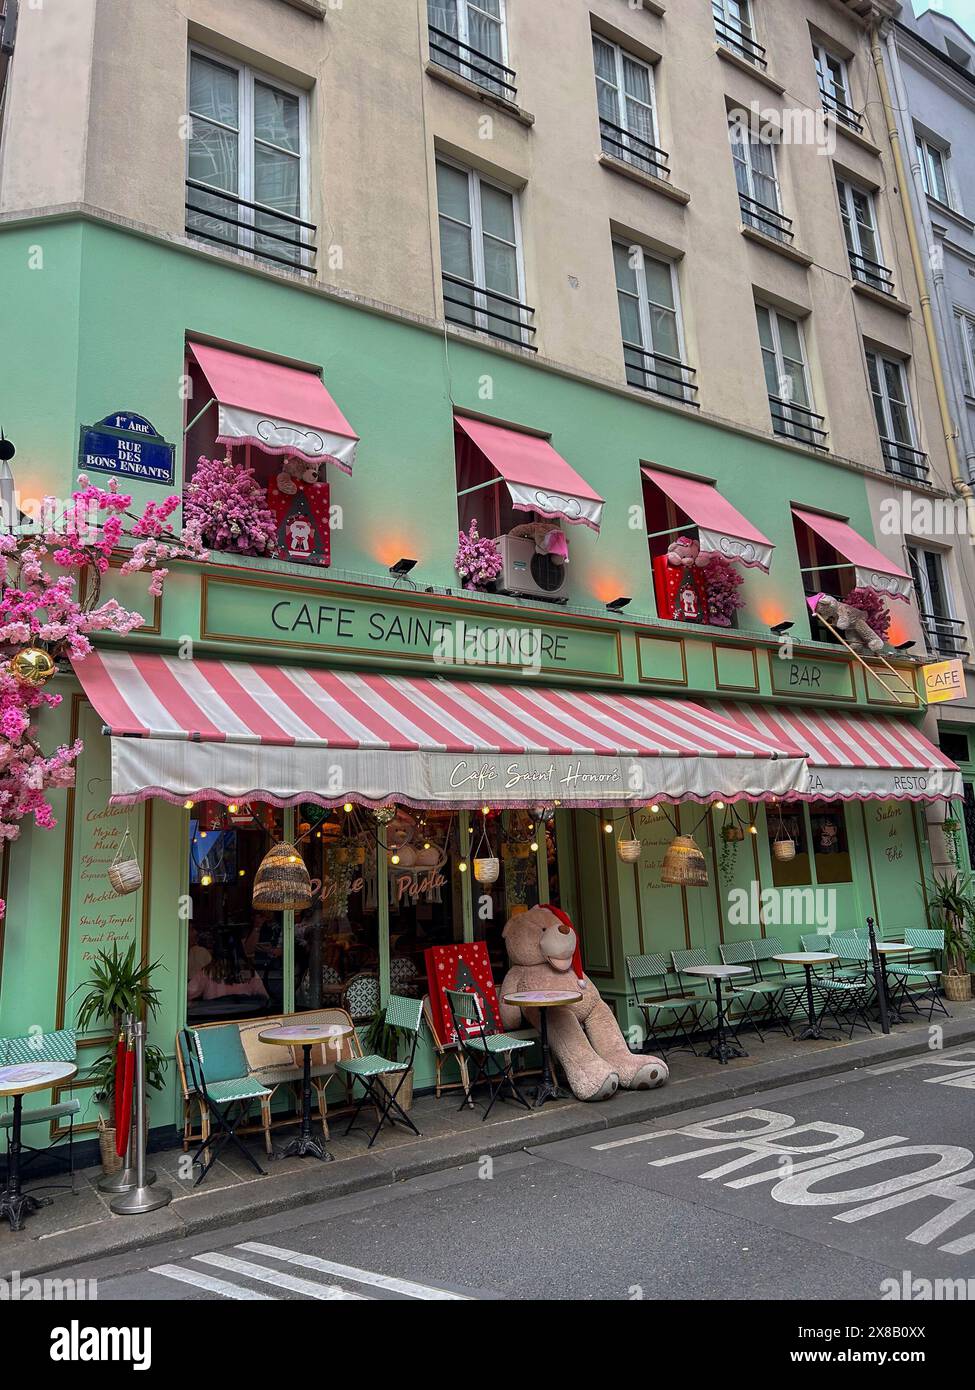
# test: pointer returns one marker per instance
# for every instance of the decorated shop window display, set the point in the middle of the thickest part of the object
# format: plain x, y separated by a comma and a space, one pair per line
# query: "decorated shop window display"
299, 504
695, 586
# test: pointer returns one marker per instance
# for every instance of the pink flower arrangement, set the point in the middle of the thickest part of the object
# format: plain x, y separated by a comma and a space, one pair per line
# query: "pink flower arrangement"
873, 608
478, 560
228, 506
723, 580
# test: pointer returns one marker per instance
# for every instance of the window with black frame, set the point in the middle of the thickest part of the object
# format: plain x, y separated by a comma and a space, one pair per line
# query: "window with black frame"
830, 846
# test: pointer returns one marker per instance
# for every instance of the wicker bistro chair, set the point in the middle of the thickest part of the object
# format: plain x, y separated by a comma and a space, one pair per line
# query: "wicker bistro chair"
224, 1096
678, 1011
760, 1000
492, 1054
59, 1046
927, 978
360, 998
406, 1015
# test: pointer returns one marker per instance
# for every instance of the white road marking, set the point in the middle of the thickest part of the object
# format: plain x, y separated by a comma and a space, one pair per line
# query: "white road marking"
358, 1276
267, 1275
199, 1280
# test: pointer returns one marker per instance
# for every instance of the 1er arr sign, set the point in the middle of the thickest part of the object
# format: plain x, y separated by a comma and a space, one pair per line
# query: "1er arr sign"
944, 680
128, 446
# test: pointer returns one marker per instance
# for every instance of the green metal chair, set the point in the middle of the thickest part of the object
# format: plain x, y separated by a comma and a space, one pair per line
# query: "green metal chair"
766, 994
216, 1073
404, 1014
680, 1011
846, 994
59, 1046
492, 1054
904, 974
821, 942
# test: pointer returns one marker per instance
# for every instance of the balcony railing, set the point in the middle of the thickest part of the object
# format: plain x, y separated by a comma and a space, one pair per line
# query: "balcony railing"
904, 460
633, 149
764, 219
8, 32
479, 68
474, 306
731, 36
872, 273
252, 228
944, 636
841, 111
655, 371
798, 422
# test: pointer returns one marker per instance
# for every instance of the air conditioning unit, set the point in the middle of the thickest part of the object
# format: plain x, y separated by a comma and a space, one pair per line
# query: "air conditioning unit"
530, 575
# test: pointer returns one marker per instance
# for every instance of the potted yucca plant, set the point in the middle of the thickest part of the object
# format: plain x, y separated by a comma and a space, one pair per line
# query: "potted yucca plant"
951, 902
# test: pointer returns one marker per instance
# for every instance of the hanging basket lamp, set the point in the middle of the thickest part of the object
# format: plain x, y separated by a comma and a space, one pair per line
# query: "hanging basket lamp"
684, 865
783, 848
629, 848
486, 864
282, 883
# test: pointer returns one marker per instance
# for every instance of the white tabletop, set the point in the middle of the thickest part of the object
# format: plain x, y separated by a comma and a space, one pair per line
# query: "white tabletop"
806, 957
22, 1077
307, 1035
891, 947
716, 972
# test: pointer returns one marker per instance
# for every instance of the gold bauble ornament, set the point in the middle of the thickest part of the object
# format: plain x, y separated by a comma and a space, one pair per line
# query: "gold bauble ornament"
33, 666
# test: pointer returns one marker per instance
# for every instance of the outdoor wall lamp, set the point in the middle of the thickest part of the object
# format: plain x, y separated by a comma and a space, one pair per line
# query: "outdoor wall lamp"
781, 628
905, 646
403, 567
618, 604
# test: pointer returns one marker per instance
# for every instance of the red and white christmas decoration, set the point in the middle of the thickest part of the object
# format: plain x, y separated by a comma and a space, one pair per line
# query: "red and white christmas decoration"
467, 968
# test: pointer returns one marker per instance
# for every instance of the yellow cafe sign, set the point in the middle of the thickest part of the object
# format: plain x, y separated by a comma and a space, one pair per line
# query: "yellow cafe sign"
944, 680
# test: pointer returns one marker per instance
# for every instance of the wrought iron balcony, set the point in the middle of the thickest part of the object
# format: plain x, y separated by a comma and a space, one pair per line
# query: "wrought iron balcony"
633, 149
732, 37
872, 273
479, 68
846, 114
798, 422
944, 636
904, 460
655, 371
489, 311
764, 219
252, 228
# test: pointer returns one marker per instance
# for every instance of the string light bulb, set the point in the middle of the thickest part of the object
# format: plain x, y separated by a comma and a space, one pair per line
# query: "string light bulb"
206, 880
347, 808
534, 846
394, 859
608, 827
462, 867
655, 809
753, 830
188, 805
485, 810
233, 808
719, 805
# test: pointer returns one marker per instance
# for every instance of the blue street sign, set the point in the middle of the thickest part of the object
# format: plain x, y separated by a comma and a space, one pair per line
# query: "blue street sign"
128, 446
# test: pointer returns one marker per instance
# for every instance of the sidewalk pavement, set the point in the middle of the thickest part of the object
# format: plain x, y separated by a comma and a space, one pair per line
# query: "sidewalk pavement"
79, 1227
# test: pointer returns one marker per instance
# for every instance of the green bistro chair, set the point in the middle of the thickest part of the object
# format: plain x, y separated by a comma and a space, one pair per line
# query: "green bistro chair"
822, 942
59, 1046
674, 1011
760, 1000
926, 977
216, 1073
492, 1054
846, 995
404, 1014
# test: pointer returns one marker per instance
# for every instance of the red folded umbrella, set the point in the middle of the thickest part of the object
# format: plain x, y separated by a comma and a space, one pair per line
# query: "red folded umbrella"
119, 1074
122, 1131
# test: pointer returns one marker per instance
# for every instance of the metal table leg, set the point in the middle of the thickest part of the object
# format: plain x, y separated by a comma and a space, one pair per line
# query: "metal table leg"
548, 1088
306, 1142
14, 1204
723, 1047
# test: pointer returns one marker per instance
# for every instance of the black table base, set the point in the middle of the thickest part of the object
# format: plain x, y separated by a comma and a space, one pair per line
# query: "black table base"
813, 1030
14, 1204
548, 1088
723, 1047
306, 1144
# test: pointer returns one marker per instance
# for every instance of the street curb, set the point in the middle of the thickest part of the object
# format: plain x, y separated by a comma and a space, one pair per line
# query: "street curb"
249, 1201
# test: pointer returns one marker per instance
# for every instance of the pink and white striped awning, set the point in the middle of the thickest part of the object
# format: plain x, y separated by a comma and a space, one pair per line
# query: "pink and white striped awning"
875, 757
231, 731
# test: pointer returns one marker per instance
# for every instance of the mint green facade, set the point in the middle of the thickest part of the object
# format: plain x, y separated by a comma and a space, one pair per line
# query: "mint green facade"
97, 319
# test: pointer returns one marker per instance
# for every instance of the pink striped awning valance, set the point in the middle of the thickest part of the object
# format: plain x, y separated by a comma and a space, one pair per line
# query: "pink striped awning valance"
228, 731
875, 757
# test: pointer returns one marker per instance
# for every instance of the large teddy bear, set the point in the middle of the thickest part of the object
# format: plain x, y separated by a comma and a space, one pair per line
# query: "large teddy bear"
585, 1038
850, 623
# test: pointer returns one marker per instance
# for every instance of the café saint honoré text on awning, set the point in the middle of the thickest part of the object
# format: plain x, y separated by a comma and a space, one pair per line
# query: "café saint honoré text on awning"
231, 731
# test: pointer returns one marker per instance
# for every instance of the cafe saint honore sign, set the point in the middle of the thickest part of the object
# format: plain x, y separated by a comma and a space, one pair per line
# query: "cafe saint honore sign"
129, 447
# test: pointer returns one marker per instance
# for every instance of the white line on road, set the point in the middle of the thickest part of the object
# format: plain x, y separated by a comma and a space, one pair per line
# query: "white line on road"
199, 1280
358, 1276
327, 1292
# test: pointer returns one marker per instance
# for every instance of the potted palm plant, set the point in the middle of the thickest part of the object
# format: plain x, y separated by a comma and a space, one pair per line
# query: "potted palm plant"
383, 1039
951, 901
118, 985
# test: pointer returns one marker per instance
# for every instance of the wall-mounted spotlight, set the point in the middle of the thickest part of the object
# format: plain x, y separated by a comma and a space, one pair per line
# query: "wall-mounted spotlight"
618, 604
780, 629
402, 567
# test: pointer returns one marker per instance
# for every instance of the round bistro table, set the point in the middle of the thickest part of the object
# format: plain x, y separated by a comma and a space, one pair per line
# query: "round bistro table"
543, 1000
18, 1081
721, 1047
808, 960
295, 1035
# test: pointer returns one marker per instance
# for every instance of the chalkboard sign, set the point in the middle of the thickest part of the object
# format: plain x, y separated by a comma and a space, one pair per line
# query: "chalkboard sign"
128, 446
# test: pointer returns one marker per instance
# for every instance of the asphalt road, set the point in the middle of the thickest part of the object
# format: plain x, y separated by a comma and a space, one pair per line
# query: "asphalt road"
698, 1206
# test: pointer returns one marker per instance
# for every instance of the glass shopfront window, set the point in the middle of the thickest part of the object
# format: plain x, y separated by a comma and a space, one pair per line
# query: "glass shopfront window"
235, 954
511, 837
787, 826
336, 947
831, 849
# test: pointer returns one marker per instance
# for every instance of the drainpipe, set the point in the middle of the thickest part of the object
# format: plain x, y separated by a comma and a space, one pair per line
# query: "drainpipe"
961, 486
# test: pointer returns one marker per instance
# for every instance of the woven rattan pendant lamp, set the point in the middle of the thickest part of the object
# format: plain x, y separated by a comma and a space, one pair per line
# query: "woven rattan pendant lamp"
684, 865
282, 883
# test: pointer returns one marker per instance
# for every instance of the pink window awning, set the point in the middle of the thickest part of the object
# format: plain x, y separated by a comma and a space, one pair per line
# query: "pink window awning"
868, 757
873, 570
537, 478
282, 410
721, 527
231, 731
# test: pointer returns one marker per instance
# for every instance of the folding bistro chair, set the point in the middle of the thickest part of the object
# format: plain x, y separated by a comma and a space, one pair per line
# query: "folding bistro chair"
491, 1053
225, 1099
846, 995
59, 1046
904, 974
680, 1011
821, 942
404, 1014
760, 999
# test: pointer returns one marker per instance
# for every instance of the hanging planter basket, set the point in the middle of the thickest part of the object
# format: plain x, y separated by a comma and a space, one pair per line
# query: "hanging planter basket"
487, 870
732, 834
629, 851
282, 883
125, 874
784, 850
684, 865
